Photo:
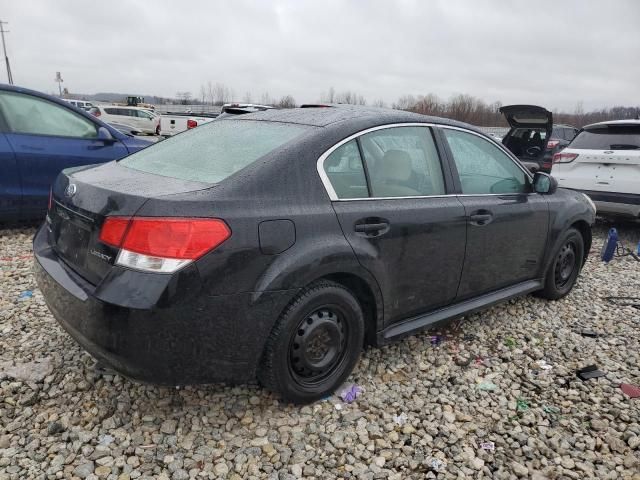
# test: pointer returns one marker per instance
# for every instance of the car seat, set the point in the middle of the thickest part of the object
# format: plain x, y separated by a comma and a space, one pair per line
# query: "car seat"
393, 176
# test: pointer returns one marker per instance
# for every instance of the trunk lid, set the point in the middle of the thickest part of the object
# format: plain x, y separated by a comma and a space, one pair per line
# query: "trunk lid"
82, 198
531, 128
528, 116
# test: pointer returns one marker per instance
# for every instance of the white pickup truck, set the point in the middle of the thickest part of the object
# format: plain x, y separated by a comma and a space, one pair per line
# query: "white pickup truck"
173, 123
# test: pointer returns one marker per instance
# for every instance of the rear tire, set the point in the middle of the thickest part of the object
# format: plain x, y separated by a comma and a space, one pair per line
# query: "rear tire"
314, 345
565, 266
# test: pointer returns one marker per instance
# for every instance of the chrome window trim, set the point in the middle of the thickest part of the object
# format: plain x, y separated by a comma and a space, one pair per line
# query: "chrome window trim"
320, 163
334, 197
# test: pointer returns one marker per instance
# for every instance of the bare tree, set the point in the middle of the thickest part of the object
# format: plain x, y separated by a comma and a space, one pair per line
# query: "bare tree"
287, 102
184, 97
266, 99
210, 93
247, 97
469, 109
351, 98
329, 97
221, 94
406, 102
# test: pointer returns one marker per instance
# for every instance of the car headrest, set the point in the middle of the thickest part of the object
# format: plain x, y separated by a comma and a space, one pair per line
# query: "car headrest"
396, 165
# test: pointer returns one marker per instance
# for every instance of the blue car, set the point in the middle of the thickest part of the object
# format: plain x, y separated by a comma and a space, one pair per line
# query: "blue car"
41, 135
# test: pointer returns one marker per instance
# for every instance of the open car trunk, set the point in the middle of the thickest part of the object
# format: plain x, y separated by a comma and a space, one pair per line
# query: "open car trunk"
530, 131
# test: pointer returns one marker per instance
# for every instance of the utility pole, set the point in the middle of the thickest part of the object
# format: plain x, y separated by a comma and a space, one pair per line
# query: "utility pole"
59, 80
4, 48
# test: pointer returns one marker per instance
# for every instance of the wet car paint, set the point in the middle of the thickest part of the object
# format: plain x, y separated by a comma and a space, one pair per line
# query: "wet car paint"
209, 321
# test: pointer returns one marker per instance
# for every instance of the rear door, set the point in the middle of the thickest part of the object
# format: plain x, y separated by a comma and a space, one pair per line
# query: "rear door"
602, 158
507, 224
390, 195
145, 121
46, 138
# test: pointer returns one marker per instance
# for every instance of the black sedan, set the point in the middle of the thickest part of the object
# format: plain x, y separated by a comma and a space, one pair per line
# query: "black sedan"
277, 244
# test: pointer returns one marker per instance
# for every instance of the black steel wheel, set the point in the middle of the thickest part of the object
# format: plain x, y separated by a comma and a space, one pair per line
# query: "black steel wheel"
314, 345
565, 266
318, 346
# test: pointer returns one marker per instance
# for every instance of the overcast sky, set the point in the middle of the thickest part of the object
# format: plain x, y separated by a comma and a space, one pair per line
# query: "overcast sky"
552, 53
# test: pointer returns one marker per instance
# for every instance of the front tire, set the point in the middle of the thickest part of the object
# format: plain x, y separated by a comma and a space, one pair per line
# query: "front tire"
314, 345
565, 266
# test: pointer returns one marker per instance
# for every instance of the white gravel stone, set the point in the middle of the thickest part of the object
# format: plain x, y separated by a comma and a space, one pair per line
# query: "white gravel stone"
65, 419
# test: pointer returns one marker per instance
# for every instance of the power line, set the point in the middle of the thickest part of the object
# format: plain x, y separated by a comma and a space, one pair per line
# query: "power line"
4, 48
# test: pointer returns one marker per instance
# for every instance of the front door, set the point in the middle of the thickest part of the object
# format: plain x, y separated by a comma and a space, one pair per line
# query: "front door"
395, 213
46, 138
10, 187
507, 224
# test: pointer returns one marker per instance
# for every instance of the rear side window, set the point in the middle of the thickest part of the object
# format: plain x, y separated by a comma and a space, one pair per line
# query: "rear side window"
623, 137
402, 162
345, 171
36, 116
213, 151
112, 111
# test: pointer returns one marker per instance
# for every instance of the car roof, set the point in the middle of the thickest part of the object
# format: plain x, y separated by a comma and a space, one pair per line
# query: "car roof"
325, 116
630, 122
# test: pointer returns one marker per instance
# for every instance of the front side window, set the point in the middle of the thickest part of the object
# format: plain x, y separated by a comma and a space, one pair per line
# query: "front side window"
213, 151
402, 162
36, 116
482, 167
344, 169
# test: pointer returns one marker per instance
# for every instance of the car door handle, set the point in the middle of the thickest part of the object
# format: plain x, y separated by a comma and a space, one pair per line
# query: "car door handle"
481, 218
372, 229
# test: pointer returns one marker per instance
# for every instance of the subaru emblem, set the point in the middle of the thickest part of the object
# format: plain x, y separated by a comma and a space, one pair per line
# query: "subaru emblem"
70, 191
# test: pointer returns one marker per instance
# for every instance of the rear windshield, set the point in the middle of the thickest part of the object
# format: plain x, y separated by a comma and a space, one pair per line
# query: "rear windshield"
623, 137
212, 152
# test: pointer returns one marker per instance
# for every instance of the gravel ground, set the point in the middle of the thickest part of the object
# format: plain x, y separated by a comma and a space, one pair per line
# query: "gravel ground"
497, 398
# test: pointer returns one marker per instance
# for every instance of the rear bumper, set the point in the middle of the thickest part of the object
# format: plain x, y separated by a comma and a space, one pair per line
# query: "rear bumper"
627, 204
189, 340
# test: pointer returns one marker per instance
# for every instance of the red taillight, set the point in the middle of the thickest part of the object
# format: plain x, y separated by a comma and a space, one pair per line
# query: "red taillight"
50, 199
177, 238
551, 144
192, 123
564, 157
113, 230
97, 113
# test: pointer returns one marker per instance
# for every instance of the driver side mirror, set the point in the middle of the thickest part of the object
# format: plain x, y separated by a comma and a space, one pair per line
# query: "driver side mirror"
544, 183
105, 135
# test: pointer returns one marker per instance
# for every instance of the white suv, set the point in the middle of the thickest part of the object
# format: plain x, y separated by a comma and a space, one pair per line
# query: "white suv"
603, 161
139, 118
84, 105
